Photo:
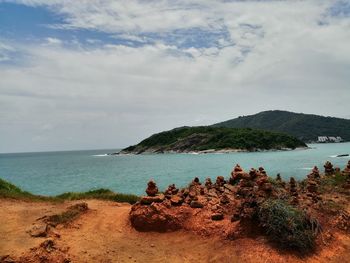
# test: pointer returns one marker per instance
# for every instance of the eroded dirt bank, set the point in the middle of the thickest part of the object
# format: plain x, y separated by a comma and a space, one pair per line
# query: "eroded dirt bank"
104, 234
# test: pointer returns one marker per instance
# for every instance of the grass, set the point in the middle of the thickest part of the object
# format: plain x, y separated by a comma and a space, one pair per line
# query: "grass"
8, 190
333, 183
67, 216
288, 226
102, 194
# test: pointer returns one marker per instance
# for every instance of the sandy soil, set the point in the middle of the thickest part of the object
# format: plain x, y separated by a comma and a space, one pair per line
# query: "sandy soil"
104, 234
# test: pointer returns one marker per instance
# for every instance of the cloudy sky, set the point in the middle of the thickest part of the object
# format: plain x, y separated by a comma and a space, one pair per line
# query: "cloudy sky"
90, 74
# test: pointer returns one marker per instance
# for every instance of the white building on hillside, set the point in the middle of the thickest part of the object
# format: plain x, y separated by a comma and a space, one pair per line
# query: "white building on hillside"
329, 139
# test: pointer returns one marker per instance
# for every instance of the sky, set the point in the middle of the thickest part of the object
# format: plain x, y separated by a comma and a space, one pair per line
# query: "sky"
95, 74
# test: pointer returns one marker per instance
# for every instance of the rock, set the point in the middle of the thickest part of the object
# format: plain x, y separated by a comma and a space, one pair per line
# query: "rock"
229, 187
262, 179
328, 168
217, 216
192, 194
196, 181
147, 200
7, 259
253, 173
315, 173
235, 217
48, 245
262, 171
172, 190
39, 230
346, 171
220, 181
293, 191
280, 181
152, 188
237, 174
311, 186
212, 193
176, 200
196, 204
208, 183
267, 187
278, 178
224, 199
157, 217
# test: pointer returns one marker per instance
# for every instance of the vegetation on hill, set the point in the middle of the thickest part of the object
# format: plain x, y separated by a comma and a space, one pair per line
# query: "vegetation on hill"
187, 139
306, 127
8, 190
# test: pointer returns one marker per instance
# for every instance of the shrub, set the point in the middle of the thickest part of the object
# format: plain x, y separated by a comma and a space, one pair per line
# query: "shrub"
290, 227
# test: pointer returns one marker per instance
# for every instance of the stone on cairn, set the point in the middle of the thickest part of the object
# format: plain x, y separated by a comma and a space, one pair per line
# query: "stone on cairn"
237, 174
196, 181
152, 191
346, 171
172, 190
312, 187
220, 181
152, 188
208, 183
280, 181
262, 171
315, 173
293, 191
328, 168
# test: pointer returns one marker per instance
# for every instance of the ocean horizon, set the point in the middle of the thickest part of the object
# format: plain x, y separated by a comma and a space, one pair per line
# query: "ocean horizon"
53, 173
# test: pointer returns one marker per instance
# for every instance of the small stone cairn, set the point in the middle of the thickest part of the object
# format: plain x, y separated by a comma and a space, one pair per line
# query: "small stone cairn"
346, 171
315, 174
152, 189
293, 191
279, 181
152, 194
328, 168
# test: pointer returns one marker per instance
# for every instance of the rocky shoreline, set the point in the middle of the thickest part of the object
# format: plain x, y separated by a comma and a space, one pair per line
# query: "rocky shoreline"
247, 216
208, 151
232, 207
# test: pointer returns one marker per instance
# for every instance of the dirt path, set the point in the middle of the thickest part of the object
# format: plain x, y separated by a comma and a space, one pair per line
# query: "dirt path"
103, 234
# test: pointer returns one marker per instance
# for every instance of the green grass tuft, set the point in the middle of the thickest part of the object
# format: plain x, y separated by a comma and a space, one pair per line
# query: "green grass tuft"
288, 226
103, 194
8, 190
333, 183
67, 216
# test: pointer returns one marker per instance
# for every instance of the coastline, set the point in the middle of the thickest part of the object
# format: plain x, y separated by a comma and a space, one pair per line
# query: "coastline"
177, 219
208, 151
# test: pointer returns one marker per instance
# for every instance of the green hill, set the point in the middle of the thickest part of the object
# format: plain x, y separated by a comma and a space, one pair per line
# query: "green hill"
306, 127
188, 139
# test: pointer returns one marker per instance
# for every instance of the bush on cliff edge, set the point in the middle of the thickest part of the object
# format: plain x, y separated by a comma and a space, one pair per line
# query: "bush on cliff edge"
288, 226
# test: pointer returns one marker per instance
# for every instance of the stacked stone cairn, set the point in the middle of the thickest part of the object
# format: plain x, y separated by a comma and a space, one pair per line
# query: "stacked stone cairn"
315, 174
328, 168
239, 197
313, 181
252, 189
346, 171
152, 194
293, 191
279, 181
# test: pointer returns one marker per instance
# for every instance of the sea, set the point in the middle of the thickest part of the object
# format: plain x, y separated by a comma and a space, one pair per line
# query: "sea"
53, 173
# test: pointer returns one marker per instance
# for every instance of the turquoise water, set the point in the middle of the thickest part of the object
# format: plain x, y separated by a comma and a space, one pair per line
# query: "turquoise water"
53, 173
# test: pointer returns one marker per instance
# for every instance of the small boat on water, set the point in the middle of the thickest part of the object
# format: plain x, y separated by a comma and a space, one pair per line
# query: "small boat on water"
342, 155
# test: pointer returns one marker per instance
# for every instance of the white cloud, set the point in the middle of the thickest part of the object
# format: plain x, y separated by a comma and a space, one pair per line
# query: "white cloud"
276, 56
